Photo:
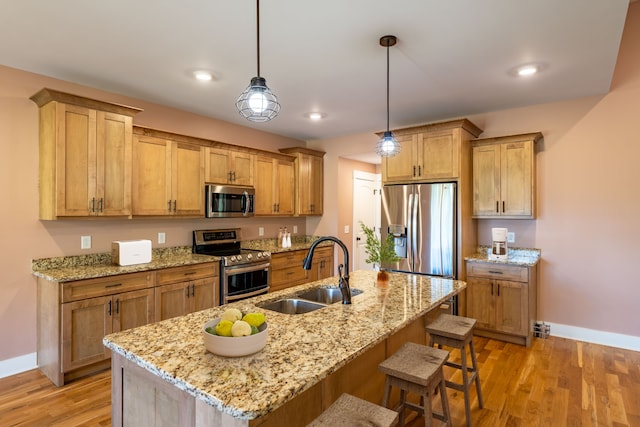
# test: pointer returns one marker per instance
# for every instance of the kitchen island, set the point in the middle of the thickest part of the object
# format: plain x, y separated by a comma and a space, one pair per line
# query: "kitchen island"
162, 374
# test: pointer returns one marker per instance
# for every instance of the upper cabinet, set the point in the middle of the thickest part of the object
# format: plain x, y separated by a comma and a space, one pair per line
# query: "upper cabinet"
274, 185
228, 166
309, 166
504, 172
84, 155
168, 176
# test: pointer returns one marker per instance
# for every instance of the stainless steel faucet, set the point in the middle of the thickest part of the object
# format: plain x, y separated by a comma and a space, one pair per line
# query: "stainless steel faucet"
343, 275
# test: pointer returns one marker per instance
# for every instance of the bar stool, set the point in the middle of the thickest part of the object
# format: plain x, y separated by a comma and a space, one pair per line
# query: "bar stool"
457, 332
417, 369
350, 411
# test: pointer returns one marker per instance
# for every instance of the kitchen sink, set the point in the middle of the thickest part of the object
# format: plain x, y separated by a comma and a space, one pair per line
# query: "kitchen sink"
291, 306
326, 295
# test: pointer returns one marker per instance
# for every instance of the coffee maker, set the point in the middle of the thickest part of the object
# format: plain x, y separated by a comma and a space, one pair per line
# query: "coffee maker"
498, 250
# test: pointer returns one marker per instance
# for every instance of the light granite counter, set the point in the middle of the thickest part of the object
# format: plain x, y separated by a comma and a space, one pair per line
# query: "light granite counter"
527, 257
298, 243
66, 269
301, 350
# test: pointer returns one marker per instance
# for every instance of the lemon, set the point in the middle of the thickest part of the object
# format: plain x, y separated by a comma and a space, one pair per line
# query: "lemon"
254, 319
223, 328
240, 329
232, 314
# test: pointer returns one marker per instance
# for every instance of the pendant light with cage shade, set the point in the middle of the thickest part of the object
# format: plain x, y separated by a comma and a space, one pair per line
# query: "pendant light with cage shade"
257, 103
388, 146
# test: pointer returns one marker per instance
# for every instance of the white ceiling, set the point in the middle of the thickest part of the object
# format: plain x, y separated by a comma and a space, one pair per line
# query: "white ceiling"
452, 58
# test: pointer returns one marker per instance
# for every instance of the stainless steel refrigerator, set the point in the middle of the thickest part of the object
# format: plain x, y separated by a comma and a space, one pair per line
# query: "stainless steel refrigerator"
422, 219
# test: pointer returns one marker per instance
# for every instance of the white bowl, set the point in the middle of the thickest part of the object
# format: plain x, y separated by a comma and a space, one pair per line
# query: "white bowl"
234, 346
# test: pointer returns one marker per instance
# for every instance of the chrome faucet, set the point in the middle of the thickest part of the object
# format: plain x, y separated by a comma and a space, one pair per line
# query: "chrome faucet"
343, 282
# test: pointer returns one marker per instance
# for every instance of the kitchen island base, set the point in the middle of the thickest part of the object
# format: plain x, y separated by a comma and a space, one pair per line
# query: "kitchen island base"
141, 398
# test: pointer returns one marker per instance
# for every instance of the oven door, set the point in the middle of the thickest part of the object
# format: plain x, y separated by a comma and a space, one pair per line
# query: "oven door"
243, 281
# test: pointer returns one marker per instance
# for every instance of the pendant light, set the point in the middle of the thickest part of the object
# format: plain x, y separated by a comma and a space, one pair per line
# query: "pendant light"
388, 146
257, 103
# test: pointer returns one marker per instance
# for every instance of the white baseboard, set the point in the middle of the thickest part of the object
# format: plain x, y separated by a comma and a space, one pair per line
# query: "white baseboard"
18, 364
610, 339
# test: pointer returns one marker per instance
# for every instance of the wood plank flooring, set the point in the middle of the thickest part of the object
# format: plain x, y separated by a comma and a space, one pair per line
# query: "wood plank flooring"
556, 382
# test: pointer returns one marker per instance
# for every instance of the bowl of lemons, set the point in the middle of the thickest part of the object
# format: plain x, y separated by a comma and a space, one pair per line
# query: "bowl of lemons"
235, 334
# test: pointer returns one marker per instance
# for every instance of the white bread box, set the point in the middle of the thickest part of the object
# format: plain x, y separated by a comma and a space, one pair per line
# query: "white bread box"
130, 252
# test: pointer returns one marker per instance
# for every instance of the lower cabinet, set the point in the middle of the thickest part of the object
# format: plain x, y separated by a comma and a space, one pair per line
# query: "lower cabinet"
183, 290
287, 271
503, 299
73, 317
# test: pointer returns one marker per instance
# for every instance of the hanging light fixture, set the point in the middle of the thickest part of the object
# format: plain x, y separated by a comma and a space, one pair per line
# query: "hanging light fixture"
388, 146
257, 103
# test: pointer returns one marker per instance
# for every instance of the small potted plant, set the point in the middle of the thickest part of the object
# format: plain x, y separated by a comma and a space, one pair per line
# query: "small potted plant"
380, 252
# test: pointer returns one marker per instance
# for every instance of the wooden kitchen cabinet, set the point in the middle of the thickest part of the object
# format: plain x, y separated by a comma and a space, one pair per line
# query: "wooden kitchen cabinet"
274, 185
225, 166
73, 317
309, 175
503, 299
287, 271
504, 177
183, 290
84, 156
168, 177
429, 153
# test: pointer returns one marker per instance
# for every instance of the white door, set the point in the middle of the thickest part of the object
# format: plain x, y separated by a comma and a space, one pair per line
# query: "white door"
366, 208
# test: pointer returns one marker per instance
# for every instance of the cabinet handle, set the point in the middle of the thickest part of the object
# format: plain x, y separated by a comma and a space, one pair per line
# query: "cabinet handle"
101, 205
93, 204
414, 171
187, 289
497, 206
175, 206
113, 285
419, 170
109, 308
169, 206
498, 289
189, 273
491, 288
503, 210
118, 306
234, 176
495, 272
193, 290
277, 207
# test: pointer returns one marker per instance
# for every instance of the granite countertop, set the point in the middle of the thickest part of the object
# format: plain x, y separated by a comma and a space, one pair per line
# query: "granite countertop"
64, 269
298, 243
301, 349
527, 257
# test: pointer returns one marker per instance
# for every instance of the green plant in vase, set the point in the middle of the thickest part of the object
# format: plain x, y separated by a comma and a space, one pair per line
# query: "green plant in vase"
380, 252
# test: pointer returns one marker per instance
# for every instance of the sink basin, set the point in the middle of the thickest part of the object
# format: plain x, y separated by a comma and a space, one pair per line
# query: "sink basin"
326, 295
291, 306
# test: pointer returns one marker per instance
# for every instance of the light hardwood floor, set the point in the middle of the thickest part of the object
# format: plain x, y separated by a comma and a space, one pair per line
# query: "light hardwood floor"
556, 382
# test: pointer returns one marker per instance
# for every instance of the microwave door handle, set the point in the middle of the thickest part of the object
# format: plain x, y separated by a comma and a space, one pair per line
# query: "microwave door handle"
247, 204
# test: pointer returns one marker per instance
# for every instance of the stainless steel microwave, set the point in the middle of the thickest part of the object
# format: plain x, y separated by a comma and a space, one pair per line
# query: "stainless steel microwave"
228, 201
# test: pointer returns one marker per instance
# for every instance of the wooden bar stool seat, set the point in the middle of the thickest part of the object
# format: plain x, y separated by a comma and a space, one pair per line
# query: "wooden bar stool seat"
350, 411
457, 332
416, 368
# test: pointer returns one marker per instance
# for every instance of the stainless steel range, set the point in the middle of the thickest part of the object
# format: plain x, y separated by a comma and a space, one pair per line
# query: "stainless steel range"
243, 273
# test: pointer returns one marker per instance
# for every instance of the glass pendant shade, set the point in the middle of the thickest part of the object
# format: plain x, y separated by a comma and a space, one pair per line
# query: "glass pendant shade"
257, 103
388, 146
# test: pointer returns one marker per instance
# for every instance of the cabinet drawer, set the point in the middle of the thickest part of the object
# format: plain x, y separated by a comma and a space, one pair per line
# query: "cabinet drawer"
189, 272
82, 289
287, 259
288, 275
498, 271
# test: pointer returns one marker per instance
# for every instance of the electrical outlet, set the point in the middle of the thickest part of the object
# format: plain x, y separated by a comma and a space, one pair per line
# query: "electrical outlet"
260, 231
162, 237
511, 237
346, 229
85, 242
295, 229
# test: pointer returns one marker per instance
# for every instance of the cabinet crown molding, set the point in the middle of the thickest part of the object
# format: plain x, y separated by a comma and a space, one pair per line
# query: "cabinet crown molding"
431, 127
47, 95
534, 136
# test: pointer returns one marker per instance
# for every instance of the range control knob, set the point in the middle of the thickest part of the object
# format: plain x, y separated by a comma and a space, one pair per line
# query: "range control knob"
249, 256
233, 258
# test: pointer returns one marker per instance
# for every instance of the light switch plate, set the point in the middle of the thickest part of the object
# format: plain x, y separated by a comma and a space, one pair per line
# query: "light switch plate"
295, 229
85, 242
162, 237
260, 231
511, 237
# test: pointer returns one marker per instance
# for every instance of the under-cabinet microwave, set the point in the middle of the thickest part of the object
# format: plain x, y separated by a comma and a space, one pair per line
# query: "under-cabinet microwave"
228, 201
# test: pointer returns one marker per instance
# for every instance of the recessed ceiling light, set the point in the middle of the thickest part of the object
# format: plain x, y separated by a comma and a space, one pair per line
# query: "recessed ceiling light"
526, 70
203, 75
315, 115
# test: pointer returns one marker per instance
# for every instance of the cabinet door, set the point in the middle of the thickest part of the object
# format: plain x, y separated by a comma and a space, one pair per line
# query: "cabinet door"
286, 187
310, 185
76, 160
171, 300
480, 301
511, 307
439, 154
486, 180
217, 166
151, 176
188, 180
265, 186
84, 324
242, 169
402, 166
203, 293
132, 309
516, 175
113, 164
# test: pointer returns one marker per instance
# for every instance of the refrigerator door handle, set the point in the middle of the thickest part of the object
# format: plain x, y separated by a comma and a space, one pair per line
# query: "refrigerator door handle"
410, 232
414, 231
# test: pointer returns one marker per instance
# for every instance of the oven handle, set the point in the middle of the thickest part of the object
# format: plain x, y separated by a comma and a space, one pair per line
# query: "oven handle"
248, 294
233, 270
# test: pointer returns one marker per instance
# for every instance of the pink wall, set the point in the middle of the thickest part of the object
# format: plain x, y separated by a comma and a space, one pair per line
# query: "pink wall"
24, 237
588, 197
